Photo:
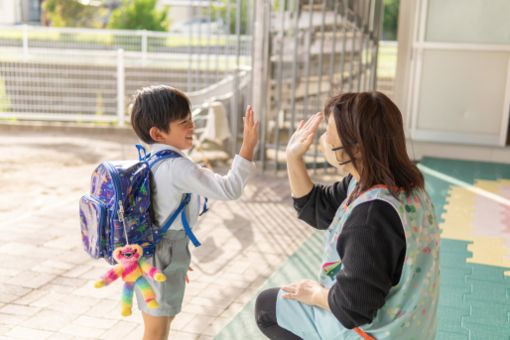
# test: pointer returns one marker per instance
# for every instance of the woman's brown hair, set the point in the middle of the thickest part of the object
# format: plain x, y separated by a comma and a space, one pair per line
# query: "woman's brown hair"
371, 130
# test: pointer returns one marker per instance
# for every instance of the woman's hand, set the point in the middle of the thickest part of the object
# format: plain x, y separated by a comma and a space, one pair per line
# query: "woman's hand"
302, 138
299, 143
250, 134
309, 292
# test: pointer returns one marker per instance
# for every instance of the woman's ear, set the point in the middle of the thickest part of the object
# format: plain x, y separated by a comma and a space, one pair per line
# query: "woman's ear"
156, 134
356, 152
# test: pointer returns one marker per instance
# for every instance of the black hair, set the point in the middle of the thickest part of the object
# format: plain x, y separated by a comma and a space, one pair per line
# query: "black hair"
157, 106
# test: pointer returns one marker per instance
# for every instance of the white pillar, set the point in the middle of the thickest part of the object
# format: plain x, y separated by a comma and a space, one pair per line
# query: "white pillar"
144, 46
25, 42
260, 57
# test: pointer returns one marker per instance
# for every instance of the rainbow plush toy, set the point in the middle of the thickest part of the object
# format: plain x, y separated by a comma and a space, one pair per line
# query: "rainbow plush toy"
131, 266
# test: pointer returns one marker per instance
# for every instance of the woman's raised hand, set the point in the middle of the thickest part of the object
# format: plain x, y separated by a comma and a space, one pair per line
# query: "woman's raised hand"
302, 138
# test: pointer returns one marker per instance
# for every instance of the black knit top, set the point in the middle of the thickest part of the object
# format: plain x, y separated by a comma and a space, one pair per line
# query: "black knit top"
372, 247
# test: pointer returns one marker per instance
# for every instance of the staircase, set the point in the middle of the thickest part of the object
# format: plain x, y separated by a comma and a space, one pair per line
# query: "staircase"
316, 51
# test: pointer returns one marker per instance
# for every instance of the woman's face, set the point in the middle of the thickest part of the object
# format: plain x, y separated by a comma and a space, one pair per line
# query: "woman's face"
332, 137
332, 140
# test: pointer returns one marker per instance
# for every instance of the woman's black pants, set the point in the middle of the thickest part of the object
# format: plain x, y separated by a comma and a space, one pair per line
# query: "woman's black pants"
265, 315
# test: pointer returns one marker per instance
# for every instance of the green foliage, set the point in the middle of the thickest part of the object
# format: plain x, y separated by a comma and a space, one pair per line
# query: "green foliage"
72, 13
221, 11
390, 23
287, 5
139, 15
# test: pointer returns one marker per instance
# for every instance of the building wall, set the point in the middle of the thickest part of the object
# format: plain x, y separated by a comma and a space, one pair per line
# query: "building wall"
182, 10
19, 11
479, 130
10, 11
30, 11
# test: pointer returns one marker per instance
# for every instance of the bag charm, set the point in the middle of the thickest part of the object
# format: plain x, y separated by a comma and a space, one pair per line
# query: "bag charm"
132, 267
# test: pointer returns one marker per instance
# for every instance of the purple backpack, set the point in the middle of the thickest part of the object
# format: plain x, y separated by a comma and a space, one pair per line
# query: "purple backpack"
118, 209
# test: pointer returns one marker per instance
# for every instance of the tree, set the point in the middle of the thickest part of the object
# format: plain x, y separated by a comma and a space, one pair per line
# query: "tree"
220, 11
139, 15
72, 13
390, 23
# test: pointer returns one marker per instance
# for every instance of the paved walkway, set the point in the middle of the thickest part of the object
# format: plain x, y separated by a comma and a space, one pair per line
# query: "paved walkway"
47, 279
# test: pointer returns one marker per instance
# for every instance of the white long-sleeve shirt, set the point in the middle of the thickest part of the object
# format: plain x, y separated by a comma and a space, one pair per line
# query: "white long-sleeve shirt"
176, 176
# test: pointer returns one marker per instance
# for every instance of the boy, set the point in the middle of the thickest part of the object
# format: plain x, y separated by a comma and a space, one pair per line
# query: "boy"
161, 117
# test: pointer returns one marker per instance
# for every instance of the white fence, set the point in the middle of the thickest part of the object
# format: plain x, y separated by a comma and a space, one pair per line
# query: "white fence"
305, 51
89, 75
31, 37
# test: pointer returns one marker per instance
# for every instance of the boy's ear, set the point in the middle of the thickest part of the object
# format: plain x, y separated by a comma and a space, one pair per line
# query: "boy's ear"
156, 134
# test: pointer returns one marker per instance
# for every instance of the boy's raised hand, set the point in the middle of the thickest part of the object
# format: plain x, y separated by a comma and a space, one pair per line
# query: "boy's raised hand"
250, 134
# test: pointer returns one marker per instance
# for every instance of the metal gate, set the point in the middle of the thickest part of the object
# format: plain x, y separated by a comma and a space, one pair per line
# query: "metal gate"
309, 50
284, 56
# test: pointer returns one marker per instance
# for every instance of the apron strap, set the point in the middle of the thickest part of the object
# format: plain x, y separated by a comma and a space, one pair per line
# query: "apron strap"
363, 335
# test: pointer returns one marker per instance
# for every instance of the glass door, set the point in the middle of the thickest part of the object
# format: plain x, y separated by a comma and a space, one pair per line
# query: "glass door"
460, 72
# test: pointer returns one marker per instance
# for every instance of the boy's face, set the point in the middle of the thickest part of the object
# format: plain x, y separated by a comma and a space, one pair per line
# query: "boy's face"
179, 135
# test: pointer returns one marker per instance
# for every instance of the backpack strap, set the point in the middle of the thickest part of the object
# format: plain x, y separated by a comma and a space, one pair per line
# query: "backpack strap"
152, 160
204, 207
185, 224
187, 229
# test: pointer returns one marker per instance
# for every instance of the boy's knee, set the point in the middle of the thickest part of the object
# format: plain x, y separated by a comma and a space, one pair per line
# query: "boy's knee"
157, 330
156, 333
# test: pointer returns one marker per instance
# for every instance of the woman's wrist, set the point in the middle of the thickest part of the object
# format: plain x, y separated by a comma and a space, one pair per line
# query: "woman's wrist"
290, 157
299, 180
321, 298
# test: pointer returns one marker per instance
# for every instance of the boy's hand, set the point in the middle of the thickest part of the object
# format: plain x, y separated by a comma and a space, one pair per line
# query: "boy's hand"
250, 134
186, 278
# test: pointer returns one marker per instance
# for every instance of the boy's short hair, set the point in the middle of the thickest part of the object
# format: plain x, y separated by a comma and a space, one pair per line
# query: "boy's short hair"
157, 106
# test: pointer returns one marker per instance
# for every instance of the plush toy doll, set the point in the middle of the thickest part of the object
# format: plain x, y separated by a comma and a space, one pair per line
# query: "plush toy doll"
131, 266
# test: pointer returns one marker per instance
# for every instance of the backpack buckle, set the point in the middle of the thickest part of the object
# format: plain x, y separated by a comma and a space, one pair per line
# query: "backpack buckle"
141, 149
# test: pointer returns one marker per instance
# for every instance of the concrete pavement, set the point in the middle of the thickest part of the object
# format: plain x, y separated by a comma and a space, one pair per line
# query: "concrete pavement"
46, 278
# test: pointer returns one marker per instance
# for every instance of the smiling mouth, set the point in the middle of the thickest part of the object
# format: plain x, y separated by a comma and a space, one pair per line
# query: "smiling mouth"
189, 137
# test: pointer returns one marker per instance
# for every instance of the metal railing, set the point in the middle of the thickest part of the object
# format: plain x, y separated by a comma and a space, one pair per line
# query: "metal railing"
36, 37
318, 48
69, 74
386, 67
307, 50
93, 86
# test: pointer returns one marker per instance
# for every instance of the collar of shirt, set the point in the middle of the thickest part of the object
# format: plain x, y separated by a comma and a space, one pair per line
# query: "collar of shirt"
156, 147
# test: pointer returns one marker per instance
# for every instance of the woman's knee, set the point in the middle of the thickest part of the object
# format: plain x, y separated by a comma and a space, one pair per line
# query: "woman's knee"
265, 307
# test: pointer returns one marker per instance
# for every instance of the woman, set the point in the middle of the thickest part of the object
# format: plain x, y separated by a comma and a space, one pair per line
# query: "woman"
380, 269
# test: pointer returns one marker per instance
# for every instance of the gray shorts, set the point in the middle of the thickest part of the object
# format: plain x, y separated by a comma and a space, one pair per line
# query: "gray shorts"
173, 258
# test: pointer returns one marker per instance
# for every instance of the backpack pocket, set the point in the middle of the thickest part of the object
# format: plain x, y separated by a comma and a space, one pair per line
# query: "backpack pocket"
93, 223
139, 231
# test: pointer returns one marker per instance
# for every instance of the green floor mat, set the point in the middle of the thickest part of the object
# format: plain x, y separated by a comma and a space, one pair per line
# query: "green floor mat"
474, 300
302, 264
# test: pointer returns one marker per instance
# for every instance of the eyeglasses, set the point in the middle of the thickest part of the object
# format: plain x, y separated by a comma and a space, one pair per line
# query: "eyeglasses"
338, 148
